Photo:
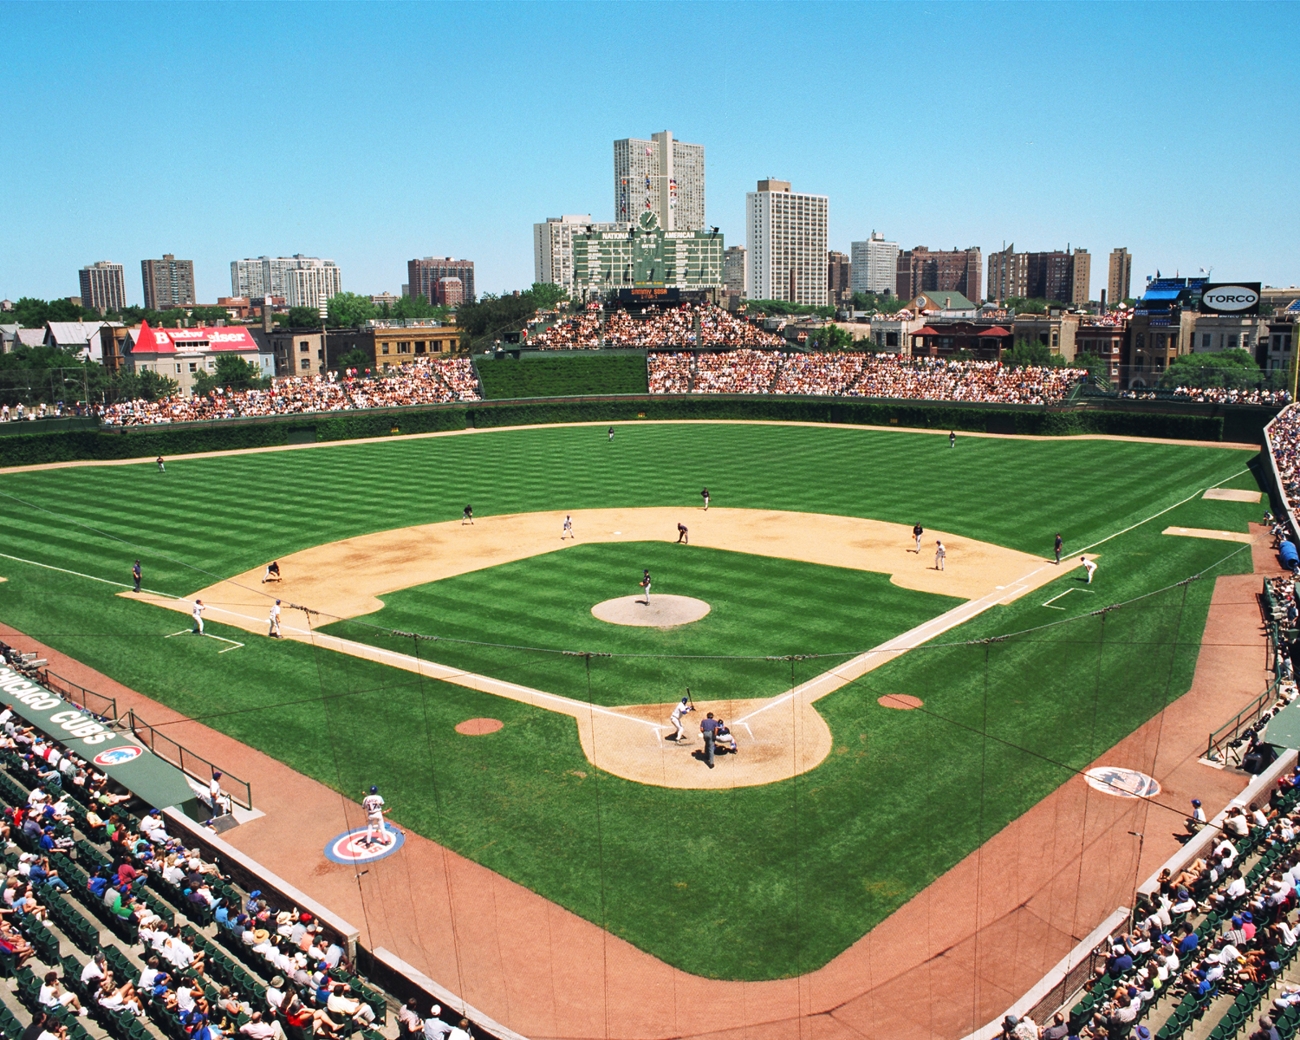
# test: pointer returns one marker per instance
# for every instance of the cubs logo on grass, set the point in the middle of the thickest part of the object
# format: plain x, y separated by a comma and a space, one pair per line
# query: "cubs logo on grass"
118, 756
352, 847
1122, 783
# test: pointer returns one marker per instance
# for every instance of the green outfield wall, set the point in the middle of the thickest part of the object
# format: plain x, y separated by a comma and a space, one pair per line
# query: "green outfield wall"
1135, 419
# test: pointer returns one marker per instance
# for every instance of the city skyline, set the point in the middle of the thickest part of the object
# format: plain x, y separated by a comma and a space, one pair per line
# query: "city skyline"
1099, 165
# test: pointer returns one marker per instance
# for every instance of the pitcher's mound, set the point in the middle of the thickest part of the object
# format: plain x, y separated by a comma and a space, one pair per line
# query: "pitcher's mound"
478, 727
662, 612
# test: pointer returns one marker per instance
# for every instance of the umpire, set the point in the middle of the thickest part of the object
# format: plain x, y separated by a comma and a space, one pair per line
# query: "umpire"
709, 727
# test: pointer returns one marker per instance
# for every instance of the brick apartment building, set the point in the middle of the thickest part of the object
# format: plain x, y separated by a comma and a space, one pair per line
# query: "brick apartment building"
957, 270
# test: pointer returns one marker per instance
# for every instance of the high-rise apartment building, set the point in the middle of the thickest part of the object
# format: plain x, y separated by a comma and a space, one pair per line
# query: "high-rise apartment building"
1057, 275
735, 271
553, 247
423, 276
837, 277
1120, 276
662, 176
787, 244
103, 286
303, 281
958, 270
167, 282
1082, 287
874, 265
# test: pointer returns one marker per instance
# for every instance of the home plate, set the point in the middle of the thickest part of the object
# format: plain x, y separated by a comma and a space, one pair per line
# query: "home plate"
1201, 532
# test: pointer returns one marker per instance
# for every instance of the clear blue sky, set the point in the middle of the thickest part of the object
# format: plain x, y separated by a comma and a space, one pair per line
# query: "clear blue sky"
371, 133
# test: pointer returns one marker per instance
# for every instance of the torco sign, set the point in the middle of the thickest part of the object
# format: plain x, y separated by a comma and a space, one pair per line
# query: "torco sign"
1234, 298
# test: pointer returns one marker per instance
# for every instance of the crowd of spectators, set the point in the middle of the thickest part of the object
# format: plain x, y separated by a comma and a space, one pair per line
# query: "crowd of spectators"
1284, 440
439, 381
188, 985
666, 327
1248, 934
857, 375
1231, 395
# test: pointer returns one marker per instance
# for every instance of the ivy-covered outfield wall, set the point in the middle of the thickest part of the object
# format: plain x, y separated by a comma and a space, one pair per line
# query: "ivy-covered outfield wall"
1140, 419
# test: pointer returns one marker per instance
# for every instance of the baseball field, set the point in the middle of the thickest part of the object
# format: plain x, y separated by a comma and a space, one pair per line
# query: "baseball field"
768, 866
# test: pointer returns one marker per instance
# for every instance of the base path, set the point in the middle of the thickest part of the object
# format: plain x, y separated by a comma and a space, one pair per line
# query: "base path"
780, 737
949, 960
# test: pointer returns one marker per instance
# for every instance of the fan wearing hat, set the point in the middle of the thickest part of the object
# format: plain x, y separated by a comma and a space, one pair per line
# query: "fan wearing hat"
1194, 822
434, 1027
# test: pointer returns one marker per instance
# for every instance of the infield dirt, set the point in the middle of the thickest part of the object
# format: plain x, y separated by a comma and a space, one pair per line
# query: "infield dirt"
780, 737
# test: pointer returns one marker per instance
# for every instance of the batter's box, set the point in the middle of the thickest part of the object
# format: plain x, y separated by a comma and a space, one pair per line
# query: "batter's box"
1062, 595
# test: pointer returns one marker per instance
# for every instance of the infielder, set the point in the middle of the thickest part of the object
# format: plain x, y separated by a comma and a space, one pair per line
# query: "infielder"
940, 553
568, 528
917, 531
136, 575
1088, 566
645, 584
374, 807
467, 517
1058, 546
705, 495
274, 620
675, 719
198, 610
683, 537
272, 572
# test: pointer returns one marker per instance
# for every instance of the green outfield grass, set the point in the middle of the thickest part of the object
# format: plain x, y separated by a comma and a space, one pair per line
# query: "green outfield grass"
760, 607
747, 884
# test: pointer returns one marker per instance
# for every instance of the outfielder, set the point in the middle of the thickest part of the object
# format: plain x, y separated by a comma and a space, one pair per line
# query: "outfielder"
198, 610
611, 433
161, 468
675, 719
917, 531
568, 528
373, 804
274, 620
940, 553
645, 584
1088, 566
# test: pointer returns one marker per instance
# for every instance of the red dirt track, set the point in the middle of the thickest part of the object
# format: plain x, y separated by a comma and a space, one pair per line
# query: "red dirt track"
950, 960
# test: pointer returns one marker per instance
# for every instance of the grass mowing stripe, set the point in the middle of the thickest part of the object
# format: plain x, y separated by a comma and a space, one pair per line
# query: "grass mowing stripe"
765, 882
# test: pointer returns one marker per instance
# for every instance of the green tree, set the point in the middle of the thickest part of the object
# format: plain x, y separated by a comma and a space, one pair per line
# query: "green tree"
547, 295
1028, 352
304, 318
128, 385
1095, 364
350, 310
208, 315
233, 373
355, 359
785, 307
878, 303
830, 338
417, 308
1227, 368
